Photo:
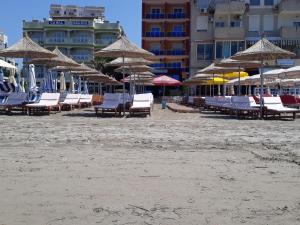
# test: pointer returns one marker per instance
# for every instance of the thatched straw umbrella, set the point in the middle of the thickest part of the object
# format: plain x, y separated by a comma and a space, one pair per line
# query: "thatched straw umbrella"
261, 51
213, 69
238, 63
129, 62
125, 49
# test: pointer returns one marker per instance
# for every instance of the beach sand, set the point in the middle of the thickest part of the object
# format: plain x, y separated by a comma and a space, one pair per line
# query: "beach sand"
75, 169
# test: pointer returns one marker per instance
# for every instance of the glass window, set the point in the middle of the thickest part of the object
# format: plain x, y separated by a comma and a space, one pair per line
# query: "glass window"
269, 2
226, 49
155, 29
202, 4
219, 24
177, 28
178, 11
235, 23
219, 50
155, 11
296, 24
205, 51
254, 2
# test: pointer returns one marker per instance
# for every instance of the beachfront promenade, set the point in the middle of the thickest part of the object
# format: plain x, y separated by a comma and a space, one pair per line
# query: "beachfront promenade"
170, 168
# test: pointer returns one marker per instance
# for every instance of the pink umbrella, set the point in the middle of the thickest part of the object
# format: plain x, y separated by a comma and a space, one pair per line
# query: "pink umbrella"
165, 81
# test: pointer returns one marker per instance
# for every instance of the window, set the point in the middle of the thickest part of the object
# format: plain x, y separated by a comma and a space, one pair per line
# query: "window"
155, 29
255, 2
219, 24
202, 23
178, 11
225, 49
269, 2
155, 11
202, 4
235, 23
177, 28
268, 22
254, 23
205, 51
296, 24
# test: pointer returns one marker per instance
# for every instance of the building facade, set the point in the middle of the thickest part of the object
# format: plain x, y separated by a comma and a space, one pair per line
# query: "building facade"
166, 33
3, 42
220, 28
77, 31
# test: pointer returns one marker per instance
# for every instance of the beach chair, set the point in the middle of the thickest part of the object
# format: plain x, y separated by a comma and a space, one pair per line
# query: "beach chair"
273, 106
245, 106
86, 100
111, 103
290, 101
15, 101
47, 102
141, 104
71, 101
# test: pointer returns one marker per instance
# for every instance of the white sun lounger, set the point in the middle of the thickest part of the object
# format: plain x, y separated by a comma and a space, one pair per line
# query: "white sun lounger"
110, 104
71, 101
273, 106
47, 102
86, 100
141, 104
245, 106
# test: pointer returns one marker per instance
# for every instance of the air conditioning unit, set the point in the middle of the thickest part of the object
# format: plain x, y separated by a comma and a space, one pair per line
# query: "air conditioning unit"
203, 10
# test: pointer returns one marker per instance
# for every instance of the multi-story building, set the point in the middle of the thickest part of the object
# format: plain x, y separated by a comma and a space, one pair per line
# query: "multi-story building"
220, 28
77, 31
166, 33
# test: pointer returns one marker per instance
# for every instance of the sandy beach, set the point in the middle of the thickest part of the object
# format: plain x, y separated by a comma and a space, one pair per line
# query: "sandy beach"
170, 168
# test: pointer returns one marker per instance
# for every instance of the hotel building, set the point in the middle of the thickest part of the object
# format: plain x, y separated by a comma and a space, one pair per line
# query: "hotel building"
220, 28
77, 31
166, 33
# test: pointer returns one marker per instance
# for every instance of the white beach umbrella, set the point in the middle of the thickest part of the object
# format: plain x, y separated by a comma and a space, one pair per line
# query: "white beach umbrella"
291, 73
32, 80
6, 65
72, 84
273, 74
62, 82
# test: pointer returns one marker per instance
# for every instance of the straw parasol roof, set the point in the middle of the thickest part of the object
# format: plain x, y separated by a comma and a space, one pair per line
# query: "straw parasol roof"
124, 48
59, 60
133, 69
213, 69
26, 48
263, 50
129, 62
147, 73
238, 63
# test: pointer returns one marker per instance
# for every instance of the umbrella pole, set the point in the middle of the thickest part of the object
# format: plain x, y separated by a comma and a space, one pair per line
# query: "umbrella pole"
224, 88
239, 88
213, 85
123, 72
261, 90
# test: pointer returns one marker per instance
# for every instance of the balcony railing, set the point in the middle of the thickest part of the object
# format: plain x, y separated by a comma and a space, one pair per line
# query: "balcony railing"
176, 34
104, 42
176, 52
158, 52
155, 34
81, 58
79, 40
56, 40
177, 16
167, 65
155, 16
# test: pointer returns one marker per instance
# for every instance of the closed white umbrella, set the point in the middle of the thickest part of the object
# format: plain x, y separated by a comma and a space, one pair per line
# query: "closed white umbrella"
85, 88
32, 80
72, 85
22, 85
62, 82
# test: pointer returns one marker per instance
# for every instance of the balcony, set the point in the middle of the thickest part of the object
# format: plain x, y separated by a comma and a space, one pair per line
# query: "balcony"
289, 7
157, 52
155, 34
232, 7
176, 52
155, 16
176, 65
82, 41
39, 41
81, 58
290, 32
176, 34
229, 33
56, 40
177, 16
104, 42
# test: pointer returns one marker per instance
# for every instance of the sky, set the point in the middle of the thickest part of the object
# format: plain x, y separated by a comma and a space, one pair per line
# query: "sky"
13, 12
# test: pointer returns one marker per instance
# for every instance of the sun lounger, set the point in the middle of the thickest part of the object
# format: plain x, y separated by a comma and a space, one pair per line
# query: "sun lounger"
141, 104
111, 103
290, 101
15, 100
47, 102
71, 101
86, 100
244, 106
273, 106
